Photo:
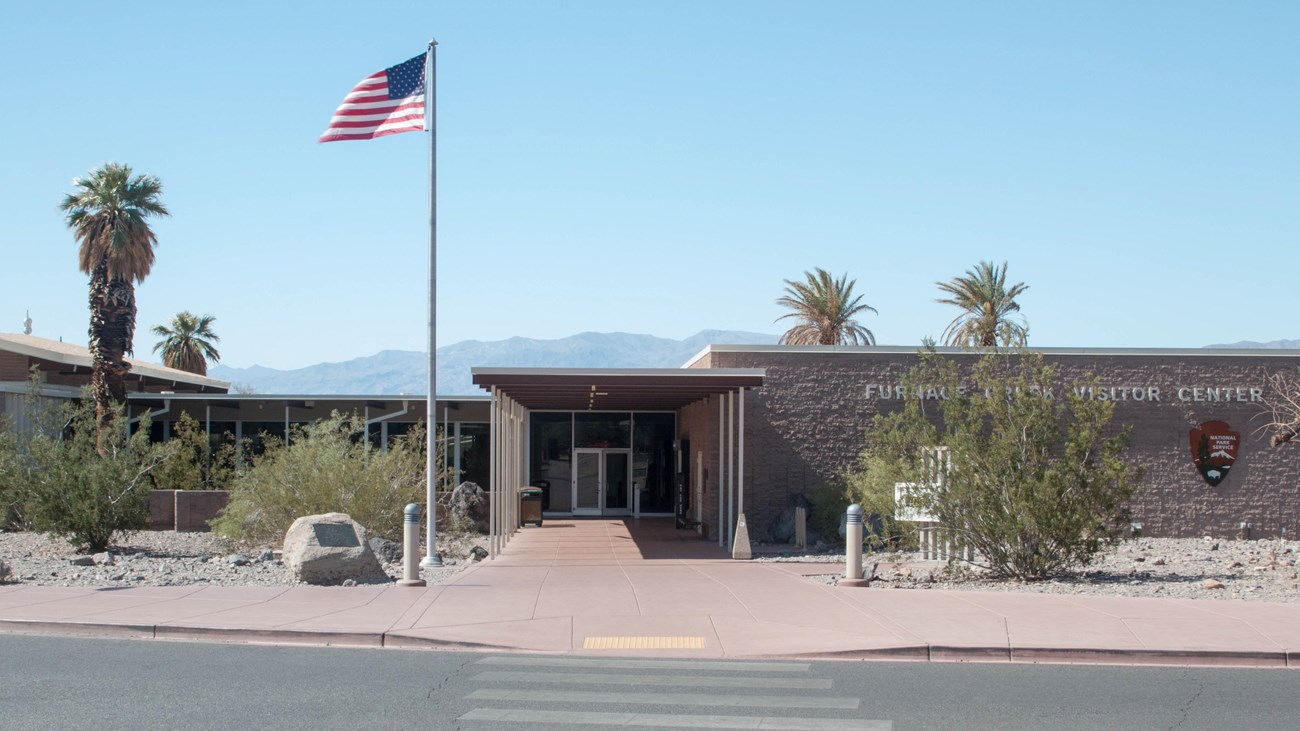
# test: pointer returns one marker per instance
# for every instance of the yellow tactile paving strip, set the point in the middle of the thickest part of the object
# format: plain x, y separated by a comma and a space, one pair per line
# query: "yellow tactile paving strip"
643, 643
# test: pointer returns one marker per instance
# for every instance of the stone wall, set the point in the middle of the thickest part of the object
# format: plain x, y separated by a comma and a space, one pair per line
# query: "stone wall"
185, 511
809, 421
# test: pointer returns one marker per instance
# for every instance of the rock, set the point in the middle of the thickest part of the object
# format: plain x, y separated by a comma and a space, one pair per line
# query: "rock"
330, 549
4, 570
1158, 562
386, 550
781, 529
102, 559
1211, 584
236, 559
349, 582
1140, 559
467, 508
82, 560
1234, 565
266, 556
1214, 546
477, 553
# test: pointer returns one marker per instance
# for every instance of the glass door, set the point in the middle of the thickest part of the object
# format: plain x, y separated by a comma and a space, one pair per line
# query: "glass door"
587, 481
602, 481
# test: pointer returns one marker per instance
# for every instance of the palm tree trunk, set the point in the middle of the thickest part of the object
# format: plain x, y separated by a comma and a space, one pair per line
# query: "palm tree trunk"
112, 327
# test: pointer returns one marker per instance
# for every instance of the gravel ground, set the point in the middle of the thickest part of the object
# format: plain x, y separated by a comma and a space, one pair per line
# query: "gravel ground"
1177, 568
1195, 568
168, 558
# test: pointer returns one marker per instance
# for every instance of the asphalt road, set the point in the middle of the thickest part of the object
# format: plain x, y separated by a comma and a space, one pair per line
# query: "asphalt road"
72, 683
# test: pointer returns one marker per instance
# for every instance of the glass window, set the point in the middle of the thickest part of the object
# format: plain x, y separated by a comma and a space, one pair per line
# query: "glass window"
550, 451
610, 431
653, 469
475, 455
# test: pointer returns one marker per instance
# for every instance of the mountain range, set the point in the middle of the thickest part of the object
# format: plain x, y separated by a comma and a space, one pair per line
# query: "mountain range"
1270, 345
392, 372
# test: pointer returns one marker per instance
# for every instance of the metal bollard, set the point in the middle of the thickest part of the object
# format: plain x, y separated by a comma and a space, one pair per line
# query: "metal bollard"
853, 548
411, 547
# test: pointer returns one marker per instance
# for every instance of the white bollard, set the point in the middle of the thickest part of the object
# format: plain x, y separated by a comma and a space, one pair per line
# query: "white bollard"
853, 548
411, 547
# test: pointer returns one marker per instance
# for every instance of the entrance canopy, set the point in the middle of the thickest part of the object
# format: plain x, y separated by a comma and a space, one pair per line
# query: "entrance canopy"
613, 389
516, 392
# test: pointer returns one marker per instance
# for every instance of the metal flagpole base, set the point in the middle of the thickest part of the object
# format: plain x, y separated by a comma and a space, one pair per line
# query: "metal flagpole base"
432, 559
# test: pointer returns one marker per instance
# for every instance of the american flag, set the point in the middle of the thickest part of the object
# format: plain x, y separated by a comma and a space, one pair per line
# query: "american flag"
384, 103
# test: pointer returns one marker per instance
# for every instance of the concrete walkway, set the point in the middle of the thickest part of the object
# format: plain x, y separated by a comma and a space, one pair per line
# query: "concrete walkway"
615, 587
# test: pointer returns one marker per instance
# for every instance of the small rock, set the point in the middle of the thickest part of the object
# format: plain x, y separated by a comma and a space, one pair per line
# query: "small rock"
1234, 565
102, 559
1140, 559
4, 570
387, 551
236, 559
82, 560
477, 553
1158, 562
1214, 546
1211, 584
266, 555
349, 582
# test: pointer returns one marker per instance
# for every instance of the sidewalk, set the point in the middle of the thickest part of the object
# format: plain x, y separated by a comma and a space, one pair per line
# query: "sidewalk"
615, 587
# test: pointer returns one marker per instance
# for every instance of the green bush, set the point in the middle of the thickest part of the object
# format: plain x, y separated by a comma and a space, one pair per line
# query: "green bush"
195, 462
327, 467
1034, 478
11, 492
61, 485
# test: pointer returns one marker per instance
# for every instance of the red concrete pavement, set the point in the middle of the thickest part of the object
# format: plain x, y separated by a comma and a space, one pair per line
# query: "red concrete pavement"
624, 587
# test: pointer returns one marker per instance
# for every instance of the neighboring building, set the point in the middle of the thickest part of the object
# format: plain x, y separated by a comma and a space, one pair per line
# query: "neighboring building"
64, 369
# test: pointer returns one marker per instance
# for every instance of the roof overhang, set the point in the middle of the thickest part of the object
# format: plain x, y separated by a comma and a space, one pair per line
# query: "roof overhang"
614, 389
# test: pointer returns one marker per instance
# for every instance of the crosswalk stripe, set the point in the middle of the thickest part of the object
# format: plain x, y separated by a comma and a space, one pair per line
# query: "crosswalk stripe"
666, 720
629, 664
664, 699
713, 681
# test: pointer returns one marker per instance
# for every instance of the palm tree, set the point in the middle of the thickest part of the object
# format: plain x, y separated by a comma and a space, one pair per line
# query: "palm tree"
987, 305
108, 214
825, 308
187, 344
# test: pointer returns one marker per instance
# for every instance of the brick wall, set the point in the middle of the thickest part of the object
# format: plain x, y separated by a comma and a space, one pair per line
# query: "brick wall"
808, 423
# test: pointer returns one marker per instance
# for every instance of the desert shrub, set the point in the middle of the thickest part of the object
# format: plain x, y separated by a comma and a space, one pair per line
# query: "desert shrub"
64, 487
195, 462
327, 466
11, 491
1033, 477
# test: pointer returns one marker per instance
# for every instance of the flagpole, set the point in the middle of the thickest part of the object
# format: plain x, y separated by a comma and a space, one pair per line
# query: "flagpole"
431, 557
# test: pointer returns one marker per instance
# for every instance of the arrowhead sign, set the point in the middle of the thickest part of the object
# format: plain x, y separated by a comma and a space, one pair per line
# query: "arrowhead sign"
1214, 450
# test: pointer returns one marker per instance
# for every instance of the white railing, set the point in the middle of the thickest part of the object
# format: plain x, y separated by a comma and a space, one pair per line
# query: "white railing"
910, 499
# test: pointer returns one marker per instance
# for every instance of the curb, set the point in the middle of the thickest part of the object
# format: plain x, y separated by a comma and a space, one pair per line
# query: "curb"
909, 653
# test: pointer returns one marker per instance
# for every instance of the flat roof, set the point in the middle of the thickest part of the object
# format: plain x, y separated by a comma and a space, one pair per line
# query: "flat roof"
614, 389
949, 350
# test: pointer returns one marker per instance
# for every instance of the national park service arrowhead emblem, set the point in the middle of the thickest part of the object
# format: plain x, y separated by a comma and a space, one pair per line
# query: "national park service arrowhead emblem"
1214, 449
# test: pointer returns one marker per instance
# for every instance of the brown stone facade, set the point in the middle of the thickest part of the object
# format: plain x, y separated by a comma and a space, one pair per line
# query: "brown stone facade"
807, 424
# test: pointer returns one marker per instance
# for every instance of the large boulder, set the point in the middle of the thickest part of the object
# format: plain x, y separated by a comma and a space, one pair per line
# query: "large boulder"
330, 549
467, 508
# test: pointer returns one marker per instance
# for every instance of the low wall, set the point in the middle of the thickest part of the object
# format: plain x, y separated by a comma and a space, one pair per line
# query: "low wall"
186, 511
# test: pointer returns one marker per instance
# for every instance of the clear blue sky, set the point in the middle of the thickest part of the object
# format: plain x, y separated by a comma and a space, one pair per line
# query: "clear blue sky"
660, 167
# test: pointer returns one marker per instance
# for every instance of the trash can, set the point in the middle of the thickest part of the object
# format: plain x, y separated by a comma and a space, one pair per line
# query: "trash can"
530, 506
